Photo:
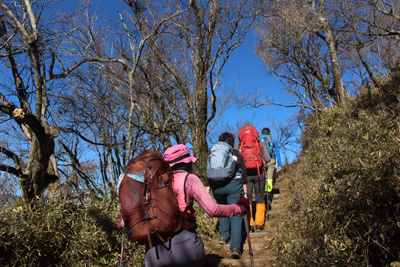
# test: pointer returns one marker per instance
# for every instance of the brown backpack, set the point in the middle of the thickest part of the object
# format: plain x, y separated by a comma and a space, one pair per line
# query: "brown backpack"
148, 203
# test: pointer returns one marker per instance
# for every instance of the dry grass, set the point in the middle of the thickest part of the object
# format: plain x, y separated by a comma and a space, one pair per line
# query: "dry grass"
63, 234
69, 234
345, 189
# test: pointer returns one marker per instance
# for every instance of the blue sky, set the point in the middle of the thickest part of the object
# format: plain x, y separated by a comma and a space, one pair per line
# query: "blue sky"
247, 69
243, 68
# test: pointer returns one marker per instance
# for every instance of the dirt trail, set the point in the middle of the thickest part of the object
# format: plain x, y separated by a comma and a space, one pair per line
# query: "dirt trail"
220, 255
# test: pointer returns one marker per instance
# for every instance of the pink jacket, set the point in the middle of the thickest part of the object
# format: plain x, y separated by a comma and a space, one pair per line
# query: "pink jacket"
196, 190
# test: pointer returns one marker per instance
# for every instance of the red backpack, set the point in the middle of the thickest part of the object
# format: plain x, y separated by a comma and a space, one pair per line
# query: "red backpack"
148, 203
250, 148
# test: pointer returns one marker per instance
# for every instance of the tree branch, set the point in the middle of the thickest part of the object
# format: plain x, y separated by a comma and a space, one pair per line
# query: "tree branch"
10, 170
70, 130
17, 160
79, 63
14, 18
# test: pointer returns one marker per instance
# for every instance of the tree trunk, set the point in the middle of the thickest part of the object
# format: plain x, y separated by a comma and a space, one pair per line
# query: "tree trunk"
333, 53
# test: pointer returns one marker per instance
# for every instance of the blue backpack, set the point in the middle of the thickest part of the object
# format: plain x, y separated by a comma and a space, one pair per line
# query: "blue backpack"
269, 142
221, 167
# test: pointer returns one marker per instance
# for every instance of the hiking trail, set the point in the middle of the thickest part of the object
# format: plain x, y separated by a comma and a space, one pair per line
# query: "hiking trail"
220, 255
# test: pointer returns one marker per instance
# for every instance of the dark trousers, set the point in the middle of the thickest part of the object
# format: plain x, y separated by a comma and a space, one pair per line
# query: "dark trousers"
184, 249
258, 184
229, 194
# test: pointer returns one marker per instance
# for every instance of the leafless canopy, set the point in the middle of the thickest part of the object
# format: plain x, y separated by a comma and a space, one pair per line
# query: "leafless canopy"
319, 49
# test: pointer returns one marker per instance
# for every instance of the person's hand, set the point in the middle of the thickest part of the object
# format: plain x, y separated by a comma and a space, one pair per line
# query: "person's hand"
244, 204
121, 224
278, 169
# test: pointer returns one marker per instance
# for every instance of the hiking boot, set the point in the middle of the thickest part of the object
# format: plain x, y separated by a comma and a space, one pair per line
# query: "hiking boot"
259, 228
252, 229
236, 254
223, 240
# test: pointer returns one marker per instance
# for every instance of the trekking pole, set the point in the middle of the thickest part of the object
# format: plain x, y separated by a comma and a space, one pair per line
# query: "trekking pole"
122, 248
123, 228
267, 203
266, 195
246, 225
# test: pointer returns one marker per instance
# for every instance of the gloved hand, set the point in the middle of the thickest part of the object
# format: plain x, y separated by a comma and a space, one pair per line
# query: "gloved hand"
268, 185
244, 204
121, 224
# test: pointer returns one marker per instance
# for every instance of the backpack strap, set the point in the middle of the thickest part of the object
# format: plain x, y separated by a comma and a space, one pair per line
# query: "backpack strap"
190, 204
146, 181
262, 156
149, 238
188, 219
147, 170
260, 151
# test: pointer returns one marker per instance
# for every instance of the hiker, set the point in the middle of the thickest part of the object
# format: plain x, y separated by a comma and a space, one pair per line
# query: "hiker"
274, 166
256, 156
185, 248
229, 192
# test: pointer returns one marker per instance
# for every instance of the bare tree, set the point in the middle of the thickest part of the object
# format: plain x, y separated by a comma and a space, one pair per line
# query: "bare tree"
328, 35
30, 46
298, 45
163, 71
149, 82
285, 132
192, 48
92, 111
315, 47
375, 33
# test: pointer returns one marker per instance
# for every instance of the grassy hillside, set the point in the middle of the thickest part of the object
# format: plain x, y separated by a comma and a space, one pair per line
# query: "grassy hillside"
345, 188
71, 234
